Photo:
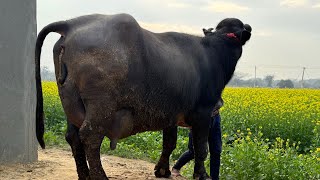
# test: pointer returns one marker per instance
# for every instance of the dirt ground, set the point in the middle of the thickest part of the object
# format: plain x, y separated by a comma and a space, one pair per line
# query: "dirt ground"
59, 164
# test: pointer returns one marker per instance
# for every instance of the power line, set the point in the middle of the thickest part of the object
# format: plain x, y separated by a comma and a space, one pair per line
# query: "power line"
279, 71
307, 74
277, 66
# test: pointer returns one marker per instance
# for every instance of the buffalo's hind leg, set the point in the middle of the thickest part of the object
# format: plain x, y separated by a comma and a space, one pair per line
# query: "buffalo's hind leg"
72, 137
91, 136
169, 144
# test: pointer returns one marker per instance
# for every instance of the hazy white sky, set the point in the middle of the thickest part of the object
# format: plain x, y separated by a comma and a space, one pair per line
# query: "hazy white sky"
285, 35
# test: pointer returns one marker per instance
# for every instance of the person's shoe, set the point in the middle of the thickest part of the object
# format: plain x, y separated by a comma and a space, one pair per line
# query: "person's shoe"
175, 172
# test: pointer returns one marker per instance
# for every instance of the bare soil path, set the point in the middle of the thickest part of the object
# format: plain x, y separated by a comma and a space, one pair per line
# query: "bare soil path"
56, 164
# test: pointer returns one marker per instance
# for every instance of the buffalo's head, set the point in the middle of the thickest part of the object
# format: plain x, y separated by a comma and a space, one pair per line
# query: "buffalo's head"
234, 28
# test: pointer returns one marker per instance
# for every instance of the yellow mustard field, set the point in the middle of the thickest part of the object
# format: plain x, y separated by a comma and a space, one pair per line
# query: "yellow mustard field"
287, 113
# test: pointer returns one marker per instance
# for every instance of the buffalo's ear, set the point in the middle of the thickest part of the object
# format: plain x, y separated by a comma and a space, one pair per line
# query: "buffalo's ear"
207, 31
245, 36
247, 27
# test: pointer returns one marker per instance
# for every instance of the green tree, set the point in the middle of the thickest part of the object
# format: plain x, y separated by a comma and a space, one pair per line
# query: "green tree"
269, 79
285, 84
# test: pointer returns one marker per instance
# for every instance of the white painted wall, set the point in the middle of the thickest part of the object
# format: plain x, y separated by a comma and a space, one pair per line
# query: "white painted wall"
17, 81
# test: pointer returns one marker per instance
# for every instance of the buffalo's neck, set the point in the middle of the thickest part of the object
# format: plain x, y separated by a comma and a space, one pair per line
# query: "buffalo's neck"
223, 56
230, 62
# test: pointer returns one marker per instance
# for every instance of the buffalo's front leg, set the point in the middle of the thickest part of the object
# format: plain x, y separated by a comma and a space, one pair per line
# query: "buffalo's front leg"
169, 144
92, 138
72, 137
200, 132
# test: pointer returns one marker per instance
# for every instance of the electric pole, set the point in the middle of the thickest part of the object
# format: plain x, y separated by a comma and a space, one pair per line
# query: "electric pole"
255, 76
302, 84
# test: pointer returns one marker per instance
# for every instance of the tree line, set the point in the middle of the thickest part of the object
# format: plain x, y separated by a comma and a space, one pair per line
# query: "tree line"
238, 80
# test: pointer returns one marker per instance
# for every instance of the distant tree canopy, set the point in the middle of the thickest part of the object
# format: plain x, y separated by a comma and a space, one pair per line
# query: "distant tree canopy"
285, 84
269, 80
47, 75
317, 83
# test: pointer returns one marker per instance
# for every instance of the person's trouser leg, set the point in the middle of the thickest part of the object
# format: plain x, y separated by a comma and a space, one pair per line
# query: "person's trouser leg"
215, 146
186, 156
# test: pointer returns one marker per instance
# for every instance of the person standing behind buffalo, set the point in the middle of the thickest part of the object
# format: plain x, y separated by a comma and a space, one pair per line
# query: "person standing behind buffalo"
215, 146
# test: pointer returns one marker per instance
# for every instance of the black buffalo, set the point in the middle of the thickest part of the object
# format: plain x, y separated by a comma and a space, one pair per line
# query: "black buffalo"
117, 79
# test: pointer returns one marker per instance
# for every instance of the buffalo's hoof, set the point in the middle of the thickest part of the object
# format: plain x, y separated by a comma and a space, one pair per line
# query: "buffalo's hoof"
84, 178
98, 177
84, 175
204, 176
162, 173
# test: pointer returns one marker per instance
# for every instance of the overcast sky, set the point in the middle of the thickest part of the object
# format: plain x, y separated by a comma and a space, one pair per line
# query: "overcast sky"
285, 35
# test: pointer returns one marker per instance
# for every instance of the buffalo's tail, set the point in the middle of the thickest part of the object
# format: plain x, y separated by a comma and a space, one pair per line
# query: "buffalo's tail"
60, 27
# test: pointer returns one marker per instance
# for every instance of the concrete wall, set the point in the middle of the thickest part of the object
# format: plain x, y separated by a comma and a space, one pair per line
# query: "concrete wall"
17, 82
